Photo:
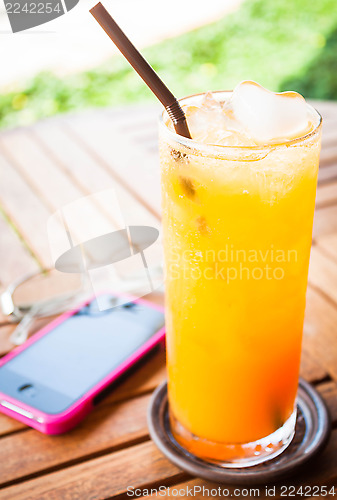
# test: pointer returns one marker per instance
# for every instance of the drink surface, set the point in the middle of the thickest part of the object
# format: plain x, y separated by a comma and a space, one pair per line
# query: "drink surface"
237, 234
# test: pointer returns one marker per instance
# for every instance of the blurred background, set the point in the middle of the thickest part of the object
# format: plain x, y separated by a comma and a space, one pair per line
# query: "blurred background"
70, 64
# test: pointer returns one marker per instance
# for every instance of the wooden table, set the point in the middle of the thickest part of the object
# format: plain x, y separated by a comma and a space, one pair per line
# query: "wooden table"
54, 162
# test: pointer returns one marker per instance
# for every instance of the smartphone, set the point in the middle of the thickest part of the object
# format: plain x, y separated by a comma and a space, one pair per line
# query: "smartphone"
53, 380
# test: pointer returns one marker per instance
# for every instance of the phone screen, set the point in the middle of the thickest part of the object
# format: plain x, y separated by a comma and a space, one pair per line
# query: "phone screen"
64, 364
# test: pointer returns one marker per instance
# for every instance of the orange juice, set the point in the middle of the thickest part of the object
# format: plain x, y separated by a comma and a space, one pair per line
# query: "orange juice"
237, 225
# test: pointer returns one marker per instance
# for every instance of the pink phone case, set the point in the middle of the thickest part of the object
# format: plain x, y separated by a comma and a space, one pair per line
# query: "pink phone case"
62, 422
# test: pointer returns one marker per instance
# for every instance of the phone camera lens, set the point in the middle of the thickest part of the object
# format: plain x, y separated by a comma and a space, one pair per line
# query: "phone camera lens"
129, 305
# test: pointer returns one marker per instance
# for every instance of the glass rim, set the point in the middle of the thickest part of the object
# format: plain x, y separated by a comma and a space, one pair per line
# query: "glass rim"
200, 146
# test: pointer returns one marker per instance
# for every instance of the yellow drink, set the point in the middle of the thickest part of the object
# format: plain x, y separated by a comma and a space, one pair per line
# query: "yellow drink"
237, 227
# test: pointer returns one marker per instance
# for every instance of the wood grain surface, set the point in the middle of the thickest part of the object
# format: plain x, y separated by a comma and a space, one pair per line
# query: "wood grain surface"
57, 161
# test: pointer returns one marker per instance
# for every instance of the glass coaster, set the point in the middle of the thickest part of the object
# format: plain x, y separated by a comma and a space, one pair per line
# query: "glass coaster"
312, 433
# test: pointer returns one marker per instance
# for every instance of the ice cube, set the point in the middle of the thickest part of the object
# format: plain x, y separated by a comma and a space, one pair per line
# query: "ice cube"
197, 120
209, 101
267, 116
206, 120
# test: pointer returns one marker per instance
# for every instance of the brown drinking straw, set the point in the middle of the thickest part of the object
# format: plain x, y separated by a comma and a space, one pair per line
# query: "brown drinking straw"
145, 71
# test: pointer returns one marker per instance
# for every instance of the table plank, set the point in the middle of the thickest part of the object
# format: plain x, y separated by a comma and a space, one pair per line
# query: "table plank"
311, 368
107, 428
16, 260
329, 132
86, 172
328, 245
328, 109
56, 188
322, 472
329, 155
5, 344
102, 477
24, 209
326, 194
142, 466
328, 159
327, 174
323, 273
320, 331
329, 392
114, 143
325, 221
38, 169
9, 425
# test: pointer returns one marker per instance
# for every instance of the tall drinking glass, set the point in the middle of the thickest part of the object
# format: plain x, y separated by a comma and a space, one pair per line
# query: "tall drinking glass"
237, 225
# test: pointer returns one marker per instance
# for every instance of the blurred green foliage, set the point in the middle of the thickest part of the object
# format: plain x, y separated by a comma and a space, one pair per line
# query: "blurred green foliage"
282, 44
